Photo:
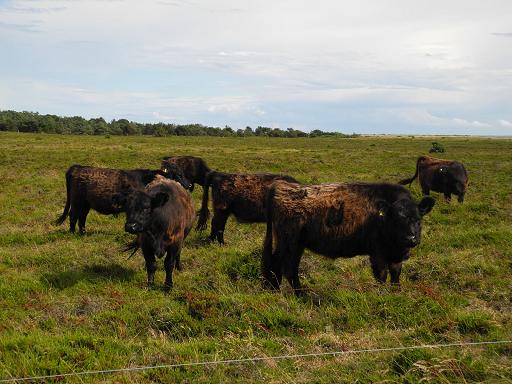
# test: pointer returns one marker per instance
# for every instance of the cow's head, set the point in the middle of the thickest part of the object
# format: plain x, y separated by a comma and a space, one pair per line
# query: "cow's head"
139, 207
402, 220
173, 172
455, 179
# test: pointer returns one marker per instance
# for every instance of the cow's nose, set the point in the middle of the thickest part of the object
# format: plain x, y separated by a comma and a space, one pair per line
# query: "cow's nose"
413, 239
131, 227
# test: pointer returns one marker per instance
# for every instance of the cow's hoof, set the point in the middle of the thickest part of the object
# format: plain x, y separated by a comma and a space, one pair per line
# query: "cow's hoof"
167, 287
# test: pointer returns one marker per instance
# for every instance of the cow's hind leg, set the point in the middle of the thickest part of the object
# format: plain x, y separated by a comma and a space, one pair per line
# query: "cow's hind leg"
291, 263
73, 217
218, 224
82, 217
149, 257
272, 269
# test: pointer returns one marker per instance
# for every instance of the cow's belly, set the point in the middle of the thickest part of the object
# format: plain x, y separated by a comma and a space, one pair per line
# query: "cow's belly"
102, 204
334, 247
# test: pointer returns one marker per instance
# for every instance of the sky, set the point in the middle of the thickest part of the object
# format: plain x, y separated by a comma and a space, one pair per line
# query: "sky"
370, 67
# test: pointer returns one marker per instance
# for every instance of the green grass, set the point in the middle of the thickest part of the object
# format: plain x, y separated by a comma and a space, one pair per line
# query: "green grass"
70, 303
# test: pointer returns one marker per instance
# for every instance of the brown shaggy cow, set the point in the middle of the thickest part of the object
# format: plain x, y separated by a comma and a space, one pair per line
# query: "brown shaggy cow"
242, 195
194, 168
340, 220
92, 187
444, 176
162, 216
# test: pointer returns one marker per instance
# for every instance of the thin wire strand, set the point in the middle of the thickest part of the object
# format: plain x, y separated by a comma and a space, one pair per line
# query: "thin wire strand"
253, 359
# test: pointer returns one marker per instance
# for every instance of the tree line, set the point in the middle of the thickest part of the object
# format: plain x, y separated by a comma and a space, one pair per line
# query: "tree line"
37, 123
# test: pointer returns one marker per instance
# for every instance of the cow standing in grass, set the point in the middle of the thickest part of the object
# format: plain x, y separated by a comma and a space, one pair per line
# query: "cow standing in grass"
194, 168
340, 220
162, 216
444, 176
242, 195
93, 187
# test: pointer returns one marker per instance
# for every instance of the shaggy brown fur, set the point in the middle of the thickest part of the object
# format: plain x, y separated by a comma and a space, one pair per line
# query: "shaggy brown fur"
242, 195
92, 187
340, 220
444, 176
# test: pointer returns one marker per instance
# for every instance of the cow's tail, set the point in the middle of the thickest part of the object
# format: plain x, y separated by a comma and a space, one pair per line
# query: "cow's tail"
411, 179
268, 263
132, 246
62, 217
204, 213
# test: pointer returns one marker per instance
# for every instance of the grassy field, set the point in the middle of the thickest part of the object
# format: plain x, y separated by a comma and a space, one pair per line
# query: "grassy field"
70, 303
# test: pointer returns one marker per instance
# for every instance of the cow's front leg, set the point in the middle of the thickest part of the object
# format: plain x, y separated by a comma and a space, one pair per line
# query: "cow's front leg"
379, 268
169, 263
149, 257
394, 270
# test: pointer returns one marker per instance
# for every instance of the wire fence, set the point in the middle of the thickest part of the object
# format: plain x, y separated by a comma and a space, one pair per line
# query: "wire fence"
249, 360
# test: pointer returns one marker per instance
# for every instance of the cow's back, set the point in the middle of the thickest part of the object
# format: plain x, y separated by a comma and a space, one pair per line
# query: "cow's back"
177, 215
244, 195
97, 186
332, 219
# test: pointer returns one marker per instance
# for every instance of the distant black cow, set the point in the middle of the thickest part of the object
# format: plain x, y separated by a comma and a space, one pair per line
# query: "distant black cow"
92, 187
194, 168
162, 216
444, 176
242, 195
340, 220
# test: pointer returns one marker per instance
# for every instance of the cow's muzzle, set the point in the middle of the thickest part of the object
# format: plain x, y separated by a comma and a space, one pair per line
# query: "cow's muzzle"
133, 228
412, 240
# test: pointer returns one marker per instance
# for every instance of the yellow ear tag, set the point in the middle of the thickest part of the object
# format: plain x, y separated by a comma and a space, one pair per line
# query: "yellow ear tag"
166, 170
381, 213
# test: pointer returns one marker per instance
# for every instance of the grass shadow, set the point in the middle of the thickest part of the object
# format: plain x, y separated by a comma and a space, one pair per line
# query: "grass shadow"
66, 279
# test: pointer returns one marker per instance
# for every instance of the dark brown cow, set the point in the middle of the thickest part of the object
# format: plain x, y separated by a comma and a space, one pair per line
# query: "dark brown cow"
92, 187
242, 195
340, 220
444, 176
162, 216
194, 168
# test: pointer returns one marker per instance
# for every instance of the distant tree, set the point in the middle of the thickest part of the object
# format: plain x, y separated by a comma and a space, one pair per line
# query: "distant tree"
34, 122
248, 131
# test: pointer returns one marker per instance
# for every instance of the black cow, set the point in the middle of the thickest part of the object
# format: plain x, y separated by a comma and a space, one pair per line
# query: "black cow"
340, 220
444, 176
162, 216
242, 195
194, 168
92, 187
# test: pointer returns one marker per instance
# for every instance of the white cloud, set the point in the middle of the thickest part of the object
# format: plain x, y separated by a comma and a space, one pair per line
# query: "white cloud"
185, 59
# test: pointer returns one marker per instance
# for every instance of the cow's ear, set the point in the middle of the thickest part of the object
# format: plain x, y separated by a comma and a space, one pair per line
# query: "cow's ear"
426, 204
159, 199
382, 208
